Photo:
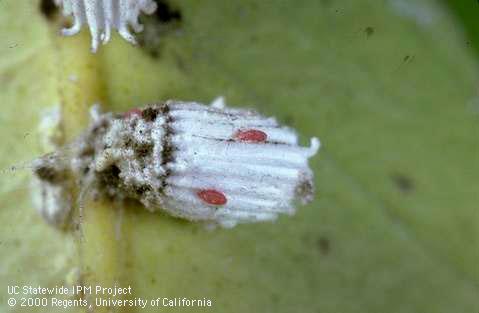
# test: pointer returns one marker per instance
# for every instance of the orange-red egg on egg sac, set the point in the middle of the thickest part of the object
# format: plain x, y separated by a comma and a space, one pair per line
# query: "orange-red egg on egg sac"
251, 135
212, 196
132, 112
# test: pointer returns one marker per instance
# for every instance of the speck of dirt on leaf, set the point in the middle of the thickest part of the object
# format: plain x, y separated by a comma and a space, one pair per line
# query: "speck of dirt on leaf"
324, 245
369, 31
408, 58
404, 183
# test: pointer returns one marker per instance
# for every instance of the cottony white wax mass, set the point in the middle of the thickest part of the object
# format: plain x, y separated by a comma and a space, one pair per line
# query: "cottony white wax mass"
103, 16
193, 161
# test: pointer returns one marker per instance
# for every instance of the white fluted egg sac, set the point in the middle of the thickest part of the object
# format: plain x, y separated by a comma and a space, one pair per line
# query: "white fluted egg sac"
103, 16
197, 162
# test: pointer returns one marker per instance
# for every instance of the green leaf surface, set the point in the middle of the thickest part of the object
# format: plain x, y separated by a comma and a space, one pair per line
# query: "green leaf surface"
390, 88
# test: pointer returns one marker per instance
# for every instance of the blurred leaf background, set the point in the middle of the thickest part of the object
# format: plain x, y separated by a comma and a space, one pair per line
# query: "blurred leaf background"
391, 89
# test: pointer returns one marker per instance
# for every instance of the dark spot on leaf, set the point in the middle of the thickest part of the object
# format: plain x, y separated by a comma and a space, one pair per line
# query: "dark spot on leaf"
165, 13
48, 9
165, 21
405, 60
408, 58
404, 183
324, 245
369, 31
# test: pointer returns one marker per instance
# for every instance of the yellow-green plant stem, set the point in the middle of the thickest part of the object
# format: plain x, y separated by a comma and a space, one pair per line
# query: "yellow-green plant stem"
80, 86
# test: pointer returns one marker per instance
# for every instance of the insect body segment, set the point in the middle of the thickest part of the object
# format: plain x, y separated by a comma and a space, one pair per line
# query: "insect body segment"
198, 162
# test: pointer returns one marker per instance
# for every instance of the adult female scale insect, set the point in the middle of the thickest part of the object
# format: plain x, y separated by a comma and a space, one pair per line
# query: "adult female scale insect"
198, 162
